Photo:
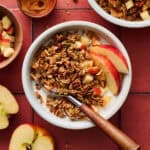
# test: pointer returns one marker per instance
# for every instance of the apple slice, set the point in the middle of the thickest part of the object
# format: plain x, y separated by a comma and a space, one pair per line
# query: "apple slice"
112, 75
43, 142
8, 106
28, 136
4, 123
114, 55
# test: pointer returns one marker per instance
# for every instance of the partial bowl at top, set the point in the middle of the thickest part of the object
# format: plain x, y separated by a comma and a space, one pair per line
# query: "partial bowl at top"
124, 23
36, 9
116, 101
18, 35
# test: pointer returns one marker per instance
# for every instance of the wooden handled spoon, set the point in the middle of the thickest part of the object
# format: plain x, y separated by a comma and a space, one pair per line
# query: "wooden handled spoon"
120, 138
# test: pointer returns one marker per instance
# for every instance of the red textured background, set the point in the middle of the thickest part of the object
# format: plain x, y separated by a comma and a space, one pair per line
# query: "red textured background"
133, 118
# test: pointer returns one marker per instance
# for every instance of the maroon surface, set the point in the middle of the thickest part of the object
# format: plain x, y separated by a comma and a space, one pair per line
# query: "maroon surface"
133, 117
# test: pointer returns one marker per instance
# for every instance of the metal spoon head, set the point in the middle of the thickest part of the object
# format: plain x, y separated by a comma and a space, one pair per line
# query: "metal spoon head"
53, 93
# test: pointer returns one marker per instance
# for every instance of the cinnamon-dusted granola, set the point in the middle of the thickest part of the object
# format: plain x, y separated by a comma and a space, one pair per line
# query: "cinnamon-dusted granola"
66, 66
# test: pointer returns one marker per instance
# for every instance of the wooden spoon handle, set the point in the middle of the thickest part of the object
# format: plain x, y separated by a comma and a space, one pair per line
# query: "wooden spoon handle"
109, 129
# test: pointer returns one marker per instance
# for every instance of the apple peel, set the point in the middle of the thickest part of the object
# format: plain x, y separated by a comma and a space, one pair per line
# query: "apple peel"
112, 75
114, 55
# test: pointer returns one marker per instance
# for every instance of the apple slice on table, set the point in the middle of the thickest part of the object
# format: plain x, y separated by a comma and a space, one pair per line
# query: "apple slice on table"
31, 137
114, 55
8, 106
112, 75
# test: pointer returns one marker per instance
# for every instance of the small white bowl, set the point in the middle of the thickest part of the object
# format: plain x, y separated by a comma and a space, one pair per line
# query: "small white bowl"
114, 20
109, 110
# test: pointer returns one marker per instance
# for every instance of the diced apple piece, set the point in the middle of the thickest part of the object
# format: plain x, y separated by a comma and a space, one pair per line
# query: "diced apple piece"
8, 106
129, 4
145, 15
93, 70
30, 136
10, 30
6, 36
7, 51
86, 64
79, 45
112, 75
5, 43
114, 55
6, 22
88, 78
96, 91
85, 40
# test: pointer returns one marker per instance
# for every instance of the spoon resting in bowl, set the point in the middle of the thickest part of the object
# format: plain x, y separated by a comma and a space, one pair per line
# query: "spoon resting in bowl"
119, 137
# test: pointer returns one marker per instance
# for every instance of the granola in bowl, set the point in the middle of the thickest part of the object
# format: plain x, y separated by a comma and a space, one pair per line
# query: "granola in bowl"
66, 65
96, 41
131, 10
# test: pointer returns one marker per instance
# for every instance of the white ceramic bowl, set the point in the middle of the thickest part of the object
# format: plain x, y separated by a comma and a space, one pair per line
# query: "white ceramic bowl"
109, 110
120, 22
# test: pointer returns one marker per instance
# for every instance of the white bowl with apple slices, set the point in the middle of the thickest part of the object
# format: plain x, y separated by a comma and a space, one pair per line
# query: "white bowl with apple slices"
124, 23
116, 101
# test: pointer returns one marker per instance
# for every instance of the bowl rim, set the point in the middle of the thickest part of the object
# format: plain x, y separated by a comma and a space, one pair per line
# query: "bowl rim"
9, 60
124, 23
37, 16
26, 79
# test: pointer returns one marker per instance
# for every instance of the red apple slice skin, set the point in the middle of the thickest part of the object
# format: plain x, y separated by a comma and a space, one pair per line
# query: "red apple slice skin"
103, 62
114, 55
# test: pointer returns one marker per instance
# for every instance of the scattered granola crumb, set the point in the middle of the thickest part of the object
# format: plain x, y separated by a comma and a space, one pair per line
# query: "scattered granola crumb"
39, 97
